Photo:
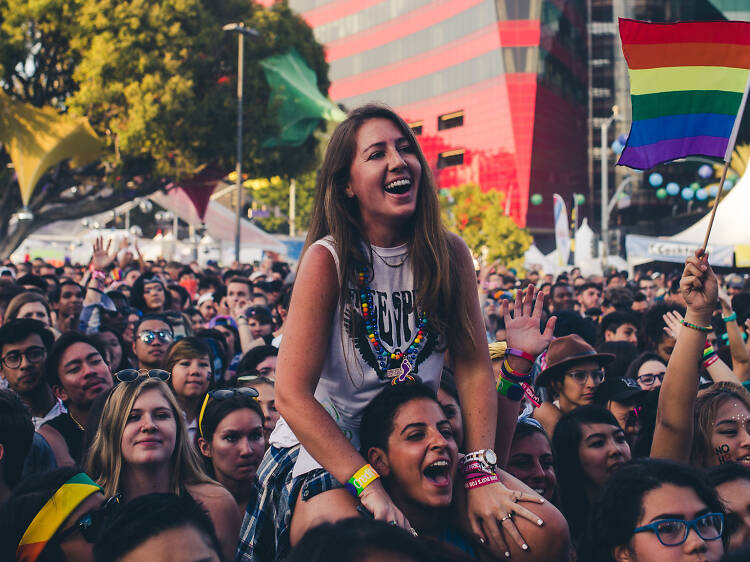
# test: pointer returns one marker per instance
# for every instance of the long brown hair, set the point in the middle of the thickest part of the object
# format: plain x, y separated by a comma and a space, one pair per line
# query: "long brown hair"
706, 407
104, 462
433, 255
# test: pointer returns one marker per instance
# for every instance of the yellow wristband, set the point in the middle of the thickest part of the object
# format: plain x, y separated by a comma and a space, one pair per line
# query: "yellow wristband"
361, 479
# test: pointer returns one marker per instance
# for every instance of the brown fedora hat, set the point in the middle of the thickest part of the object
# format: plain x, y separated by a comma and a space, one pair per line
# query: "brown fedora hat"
565, 352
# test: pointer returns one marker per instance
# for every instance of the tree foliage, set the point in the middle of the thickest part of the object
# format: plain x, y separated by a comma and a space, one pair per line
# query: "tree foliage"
273, 196
157, 80
479, 218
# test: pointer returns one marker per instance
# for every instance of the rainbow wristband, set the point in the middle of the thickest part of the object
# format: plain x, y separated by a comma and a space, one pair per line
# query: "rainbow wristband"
519, 353
361, 479
709, 350
704, 329
509, 389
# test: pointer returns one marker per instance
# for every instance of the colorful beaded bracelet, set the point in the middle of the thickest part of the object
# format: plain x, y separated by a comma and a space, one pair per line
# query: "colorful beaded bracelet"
704, 329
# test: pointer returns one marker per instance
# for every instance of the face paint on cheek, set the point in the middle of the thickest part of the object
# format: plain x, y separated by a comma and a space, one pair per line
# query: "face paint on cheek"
722, 453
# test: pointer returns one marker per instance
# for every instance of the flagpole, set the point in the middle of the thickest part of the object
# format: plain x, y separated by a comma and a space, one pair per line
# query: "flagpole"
728, 158
716, 205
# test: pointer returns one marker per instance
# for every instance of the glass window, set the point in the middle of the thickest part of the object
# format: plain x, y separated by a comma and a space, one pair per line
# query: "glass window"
419, 42
451, 120
416, 127
365, 19
472, 71
451, 158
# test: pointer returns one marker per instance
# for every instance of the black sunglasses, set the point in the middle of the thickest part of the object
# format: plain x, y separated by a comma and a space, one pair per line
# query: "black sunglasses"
224, 394
90, 524
129, 375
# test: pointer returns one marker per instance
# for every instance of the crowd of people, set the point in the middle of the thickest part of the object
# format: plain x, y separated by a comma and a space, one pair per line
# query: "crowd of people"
385, 399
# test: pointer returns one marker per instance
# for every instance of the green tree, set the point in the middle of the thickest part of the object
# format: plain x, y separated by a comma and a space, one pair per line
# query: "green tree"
478, 217
157, 80
272, 196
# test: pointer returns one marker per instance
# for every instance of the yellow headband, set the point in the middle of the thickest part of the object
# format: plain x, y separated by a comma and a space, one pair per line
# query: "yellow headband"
57, 509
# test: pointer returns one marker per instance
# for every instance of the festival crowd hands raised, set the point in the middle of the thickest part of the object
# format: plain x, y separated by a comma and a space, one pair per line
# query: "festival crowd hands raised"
164, 384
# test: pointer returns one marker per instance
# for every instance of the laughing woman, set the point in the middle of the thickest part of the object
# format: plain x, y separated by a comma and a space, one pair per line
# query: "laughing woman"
410, 442
382, 290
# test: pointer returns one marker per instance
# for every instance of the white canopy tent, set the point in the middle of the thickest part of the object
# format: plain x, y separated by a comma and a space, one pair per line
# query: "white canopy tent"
731, 225
730, 231
72, 239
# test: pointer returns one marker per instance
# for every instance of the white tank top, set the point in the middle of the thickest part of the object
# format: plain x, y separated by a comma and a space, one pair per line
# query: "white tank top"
351, 375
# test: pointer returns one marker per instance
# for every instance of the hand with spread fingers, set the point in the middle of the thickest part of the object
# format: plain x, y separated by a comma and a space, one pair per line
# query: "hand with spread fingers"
523, 326
493, 508
101, 257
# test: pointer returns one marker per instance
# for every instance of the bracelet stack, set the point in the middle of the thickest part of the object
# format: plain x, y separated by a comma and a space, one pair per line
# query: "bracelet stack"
361, 479
709, 356
476, 476
513, 384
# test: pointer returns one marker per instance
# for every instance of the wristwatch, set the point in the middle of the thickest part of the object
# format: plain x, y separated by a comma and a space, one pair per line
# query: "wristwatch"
485, 457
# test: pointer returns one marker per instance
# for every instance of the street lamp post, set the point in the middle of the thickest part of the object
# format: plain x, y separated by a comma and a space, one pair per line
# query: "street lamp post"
605, 184
241, 31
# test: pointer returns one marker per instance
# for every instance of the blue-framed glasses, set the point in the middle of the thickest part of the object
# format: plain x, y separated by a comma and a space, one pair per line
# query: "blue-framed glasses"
674, 532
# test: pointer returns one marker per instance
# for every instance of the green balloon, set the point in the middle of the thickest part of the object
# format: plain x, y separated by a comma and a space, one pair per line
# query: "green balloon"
695, 186
580, 199
536, 199
661, 193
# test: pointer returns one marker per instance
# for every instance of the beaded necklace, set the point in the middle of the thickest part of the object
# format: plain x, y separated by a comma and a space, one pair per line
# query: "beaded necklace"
397, 365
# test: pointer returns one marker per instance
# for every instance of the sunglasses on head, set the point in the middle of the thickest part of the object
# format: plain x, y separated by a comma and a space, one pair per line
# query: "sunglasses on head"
90, 524
224, 394
129, 375
148, 336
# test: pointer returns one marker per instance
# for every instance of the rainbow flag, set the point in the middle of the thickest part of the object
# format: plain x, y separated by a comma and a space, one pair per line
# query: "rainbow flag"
688, 87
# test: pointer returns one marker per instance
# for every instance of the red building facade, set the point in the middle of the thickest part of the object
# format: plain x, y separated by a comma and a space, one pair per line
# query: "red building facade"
494, 89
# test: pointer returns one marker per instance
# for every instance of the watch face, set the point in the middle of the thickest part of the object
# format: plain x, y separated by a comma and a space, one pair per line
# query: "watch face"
490, 457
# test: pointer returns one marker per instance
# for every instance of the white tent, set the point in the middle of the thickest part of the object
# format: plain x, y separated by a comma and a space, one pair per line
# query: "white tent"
731, 225
220, 221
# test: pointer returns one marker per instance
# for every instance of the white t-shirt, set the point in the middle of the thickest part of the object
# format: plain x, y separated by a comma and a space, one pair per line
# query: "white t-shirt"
351, 376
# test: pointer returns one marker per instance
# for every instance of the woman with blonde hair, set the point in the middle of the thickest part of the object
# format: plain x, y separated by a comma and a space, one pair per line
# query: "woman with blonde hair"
28, 305
142, 447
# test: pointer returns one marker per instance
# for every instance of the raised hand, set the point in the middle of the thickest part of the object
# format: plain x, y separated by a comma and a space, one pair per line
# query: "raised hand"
673, 321
523, 327
101, 257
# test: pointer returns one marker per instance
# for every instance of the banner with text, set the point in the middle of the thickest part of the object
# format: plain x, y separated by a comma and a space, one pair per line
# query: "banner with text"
661, 249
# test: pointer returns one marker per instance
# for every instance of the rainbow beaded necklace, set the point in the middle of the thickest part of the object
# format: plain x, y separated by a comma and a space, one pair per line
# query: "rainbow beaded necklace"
397, 365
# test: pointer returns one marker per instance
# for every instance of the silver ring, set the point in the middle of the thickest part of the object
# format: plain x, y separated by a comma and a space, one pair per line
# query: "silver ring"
507, 517
394, 523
